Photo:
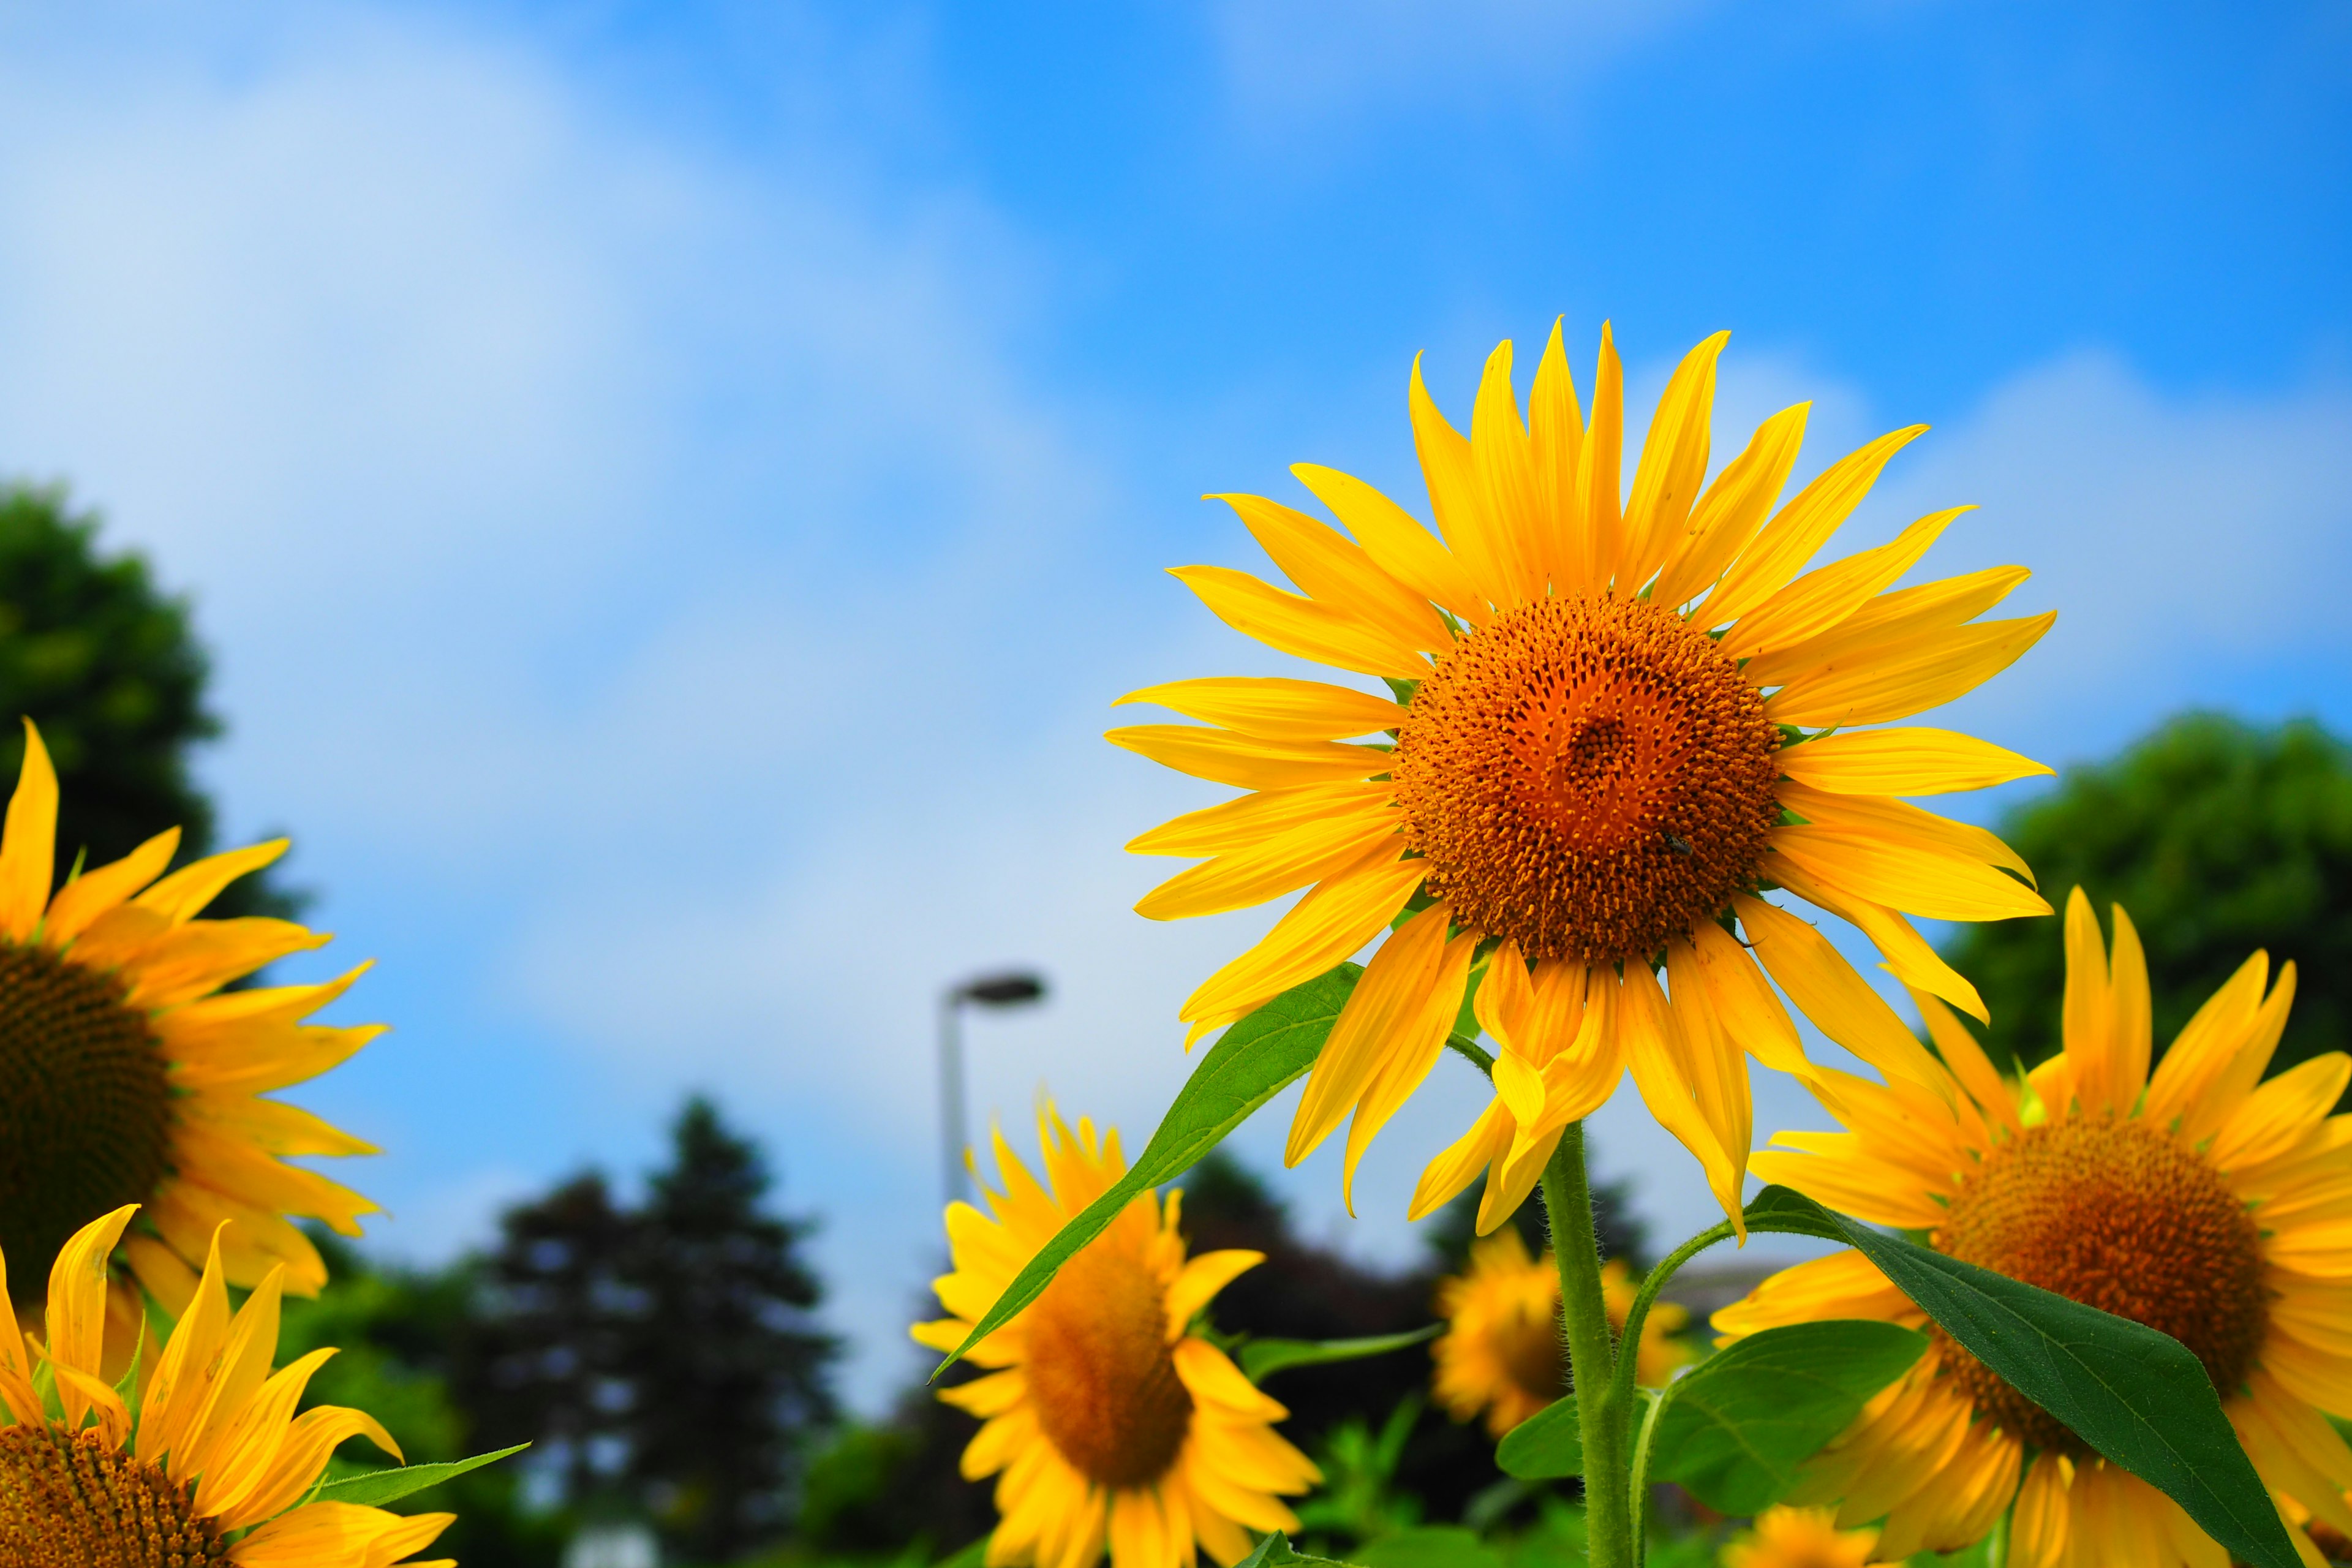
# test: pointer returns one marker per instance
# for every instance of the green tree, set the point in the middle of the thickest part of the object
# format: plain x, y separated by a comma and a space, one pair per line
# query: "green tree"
2218, 838
108, 665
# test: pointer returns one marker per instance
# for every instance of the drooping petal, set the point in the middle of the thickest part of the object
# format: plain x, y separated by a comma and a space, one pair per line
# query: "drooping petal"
1388, 1000
1840, 1003
1409, 1057
1906, 953
1682, 1082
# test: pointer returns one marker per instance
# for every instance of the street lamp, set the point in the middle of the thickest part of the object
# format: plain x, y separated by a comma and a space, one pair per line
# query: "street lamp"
1012, 988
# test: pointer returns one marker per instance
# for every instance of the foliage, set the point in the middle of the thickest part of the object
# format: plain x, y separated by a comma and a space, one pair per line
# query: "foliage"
109, 665
2220, 838
664, 1353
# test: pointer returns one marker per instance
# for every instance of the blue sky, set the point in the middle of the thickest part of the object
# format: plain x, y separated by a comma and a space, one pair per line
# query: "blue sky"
673, 490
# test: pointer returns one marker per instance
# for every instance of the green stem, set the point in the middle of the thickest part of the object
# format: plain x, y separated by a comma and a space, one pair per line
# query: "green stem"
1638, 1314
1600, 1414
1650, 1406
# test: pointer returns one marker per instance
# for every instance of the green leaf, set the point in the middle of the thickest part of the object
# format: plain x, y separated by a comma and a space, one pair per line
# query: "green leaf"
1546, 1445
1259, 1358
2136, 1396
1429, 1546
377, 1487
1736, 1427
1274, 1552
1253, 1061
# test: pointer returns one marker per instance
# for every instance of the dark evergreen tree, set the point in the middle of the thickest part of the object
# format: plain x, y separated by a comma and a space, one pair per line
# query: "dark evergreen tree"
728, 1372
108, 665
549, 1361
2218, 838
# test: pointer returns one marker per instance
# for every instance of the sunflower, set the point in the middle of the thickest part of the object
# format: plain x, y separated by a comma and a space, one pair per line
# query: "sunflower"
127, 1078
2197, 1199
1501, 1350
1111, 1421
1607, 730
1801, 1538
219, 1462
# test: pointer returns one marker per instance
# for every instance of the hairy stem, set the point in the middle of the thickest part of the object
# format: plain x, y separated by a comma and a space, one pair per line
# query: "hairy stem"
1600, 1411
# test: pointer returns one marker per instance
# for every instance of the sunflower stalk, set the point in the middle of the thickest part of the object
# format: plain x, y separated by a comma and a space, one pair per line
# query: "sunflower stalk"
1602, 1408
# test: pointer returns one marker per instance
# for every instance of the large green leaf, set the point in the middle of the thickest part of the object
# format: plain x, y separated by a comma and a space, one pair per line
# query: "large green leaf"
1261, 1358
1736, 1427
1274, 1552
1428, 1546
2136, 1396
1251, 1063
376, 1488
1545, 1447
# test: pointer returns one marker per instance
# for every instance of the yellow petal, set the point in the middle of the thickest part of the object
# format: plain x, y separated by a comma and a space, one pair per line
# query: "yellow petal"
1597, 467
1506, 999
23, 1406
29, 847
2203, 1049
271, 1125
183, 1377
1887, 625
1555, 446
1930, 670
2083, 1016
1214, 1380
245, 1352
1299, 626
1672, 467
1803, 526
301, 1459
184, 963
1337, 572
1387, 999
1408, 1055
1511, 1178
181, 895
1678, 1080
1202, 1278
241, 1462
1903, 762
91, 894
1284, 864
1275, 709
76, 1306
1396, 540
1967, 1061
1259, 815
1907, 956
1729, 514
2130, 1028
1338, 915
1899, 822
1824, 599
1513, 506
1920, 879
1451, 473
1220, 756
2245, 1067
1840, 1003
1458, 1166
1742, 1000
1519, 1087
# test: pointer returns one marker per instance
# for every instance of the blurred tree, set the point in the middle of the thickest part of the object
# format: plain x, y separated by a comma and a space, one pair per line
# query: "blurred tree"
662, 1354
2218, 837
109, 665
728, 1374
548, 1362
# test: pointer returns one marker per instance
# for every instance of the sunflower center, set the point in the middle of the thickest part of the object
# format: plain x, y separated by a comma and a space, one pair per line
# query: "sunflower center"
1529, 1347
2118, 1215
85, 1108
1101, 1372
74, 1502
1591, 776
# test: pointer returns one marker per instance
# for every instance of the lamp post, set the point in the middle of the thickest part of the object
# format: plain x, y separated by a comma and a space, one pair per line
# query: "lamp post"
1012, 988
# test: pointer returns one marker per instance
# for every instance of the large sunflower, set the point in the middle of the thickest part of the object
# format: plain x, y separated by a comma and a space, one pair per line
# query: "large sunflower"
1500, 1354
207, 1464
1111, 1421
2198, 1199
1606, 735
126, 1076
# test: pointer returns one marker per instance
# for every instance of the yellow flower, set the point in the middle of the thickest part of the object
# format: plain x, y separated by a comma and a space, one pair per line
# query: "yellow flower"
220, 1462
1595, 767
1801, 1538
1501, 1350
1111, 1422
126, 1078
2198, 1199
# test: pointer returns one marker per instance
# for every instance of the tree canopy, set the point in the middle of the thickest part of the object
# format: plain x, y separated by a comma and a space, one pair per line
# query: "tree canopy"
2218, 838
109, 665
